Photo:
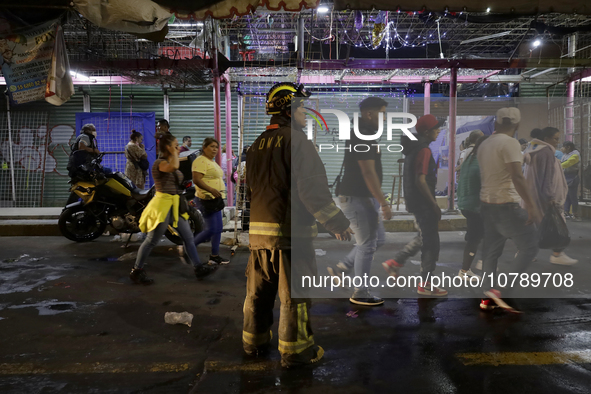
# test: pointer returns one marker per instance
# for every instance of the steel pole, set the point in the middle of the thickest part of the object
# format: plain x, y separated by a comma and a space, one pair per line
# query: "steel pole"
217, 113
229, 144
10, 150
427, 102
570, 113
453, 85
300, 49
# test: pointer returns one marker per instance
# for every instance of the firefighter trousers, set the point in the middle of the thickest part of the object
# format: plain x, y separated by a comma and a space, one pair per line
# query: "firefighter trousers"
268, 273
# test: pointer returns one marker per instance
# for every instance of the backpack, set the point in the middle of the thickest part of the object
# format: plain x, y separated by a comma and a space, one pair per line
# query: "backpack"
78, 157
75, 146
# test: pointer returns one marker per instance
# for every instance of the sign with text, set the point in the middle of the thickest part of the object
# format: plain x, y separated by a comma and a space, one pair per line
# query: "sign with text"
35, 65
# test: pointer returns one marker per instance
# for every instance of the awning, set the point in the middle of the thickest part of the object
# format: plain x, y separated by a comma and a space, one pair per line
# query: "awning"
522, 7
199, 10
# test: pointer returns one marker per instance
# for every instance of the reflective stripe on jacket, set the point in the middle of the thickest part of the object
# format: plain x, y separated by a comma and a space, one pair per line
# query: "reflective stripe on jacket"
288, 189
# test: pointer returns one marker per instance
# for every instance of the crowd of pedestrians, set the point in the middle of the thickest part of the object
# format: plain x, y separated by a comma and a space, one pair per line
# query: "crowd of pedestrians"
505, 186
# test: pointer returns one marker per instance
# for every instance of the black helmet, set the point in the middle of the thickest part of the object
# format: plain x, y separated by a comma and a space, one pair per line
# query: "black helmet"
280, 96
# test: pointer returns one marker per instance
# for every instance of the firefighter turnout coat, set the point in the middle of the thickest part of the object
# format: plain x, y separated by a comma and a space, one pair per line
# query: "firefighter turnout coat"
288, 189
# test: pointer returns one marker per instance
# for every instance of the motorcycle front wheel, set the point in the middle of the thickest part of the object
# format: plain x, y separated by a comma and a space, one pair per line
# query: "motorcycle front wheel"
196, 223
78, 225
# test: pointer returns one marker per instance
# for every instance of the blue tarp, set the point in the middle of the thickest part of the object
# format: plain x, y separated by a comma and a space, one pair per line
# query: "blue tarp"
440, 147
113, 130
486, 125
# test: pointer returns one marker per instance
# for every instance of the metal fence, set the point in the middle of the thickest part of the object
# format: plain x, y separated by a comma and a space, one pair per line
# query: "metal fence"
575, 119
24, 157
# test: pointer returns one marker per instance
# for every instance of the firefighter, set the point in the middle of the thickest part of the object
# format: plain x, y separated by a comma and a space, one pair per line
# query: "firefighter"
288, 190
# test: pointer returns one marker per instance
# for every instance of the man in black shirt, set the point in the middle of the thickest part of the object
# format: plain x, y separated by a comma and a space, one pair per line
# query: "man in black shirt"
361, 198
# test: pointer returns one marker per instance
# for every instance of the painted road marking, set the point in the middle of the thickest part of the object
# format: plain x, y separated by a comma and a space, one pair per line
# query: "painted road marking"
38, 369
218, 366
526, 358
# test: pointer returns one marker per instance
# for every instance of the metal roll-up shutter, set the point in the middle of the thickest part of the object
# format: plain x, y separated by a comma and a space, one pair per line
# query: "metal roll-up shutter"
235, 122
254, 117
145, 99
465, 106
539, 90
439, 106
192, 114
333, 159
255, 122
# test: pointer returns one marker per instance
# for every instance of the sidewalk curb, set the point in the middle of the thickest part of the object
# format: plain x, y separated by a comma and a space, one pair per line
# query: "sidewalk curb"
29, 228
49, 228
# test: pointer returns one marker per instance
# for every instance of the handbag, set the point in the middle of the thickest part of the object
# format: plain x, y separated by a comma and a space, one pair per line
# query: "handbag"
143, 164
212, 206
553, 231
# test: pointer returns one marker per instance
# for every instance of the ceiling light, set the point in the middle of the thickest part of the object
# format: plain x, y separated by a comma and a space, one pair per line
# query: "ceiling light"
537, 43
322, 9
79, 76
186, 24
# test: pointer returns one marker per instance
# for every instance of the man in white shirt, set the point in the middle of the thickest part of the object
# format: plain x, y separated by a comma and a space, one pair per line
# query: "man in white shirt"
503, 187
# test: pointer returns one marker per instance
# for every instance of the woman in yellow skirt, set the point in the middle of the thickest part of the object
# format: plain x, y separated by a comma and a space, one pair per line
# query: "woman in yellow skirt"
163, 210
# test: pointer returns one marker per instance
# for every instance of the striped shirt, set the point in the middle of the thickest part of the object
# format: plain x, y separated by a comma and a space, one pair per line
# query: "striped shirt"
165, 181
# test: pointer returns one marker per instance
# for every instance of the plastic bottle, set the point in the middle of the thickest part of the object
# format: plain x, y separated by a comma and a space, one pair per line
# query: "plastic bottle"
178, 318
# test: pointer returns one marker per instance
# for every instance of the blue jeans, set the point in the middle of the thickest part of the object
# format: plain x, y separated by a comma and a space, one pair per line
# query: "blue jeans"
154, 236
502, 222
214, 226
366, 223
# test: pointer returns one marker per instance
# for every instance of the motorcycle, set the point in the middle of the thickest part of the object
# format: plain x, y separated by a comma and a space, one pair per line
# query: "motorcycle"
98, 199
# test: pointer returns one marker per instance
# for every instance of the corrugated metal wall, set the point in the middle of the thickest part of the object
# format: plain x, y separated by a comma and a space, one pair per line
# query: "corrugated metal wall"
145, 99
539, 90
191, 114
255, 121
465, 106
348, 103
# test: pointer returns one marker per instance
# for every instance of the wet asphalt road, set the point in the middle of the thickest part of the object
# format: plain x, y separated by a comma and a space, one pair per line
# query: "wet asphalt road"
71, 322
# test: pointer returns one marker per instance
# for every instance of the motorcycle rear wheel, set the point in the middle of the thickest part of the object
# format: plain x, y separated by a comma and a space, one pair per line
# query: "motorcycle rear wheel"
80, 226
196, 223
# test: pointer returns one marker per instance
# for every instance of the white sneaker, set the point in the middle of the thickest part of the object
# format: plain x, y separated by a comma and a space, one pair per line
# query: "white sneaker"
467, 275
562, 259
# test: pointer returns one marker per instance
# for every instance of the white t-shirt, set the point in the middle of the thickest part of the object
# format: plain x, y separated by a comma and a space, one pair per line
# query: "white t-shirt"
496, 184
463, 155
466, 152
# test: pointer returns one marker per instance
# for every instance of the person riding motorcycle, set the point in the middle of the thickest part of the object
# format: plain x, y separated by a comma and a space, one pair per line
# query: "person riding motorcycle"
288, 190
84, 149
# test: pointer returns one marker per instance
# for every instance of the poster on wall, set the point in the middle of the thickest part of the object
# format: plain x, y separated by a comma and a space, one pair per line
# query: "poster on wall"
35, 64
